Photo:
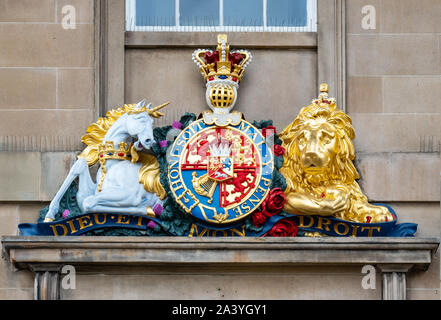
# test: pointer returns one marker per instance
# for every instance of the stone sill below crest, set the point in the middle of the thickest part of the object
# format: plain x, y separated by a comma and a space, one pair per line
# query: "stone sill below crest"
26, 252
237, 40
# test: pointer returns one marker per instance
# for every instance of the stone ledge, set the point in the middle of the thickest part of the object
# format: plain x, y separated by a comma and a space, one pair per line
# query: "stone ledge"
25, 252
261, 40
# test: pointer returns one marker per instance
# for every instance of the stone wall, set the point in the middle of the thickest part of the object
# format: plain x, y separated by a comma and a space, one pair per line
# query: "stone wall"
393, 85
46, 102
266, 91
48, 98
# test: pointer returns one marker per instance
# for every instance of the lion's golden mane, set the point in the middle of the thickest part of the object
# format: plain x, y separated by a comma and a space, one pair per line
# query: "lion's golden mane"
340, 172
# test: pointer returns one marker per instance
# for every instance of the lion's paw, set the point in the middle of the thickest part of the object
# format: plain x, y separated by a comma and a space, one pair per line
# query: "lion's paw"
378, 214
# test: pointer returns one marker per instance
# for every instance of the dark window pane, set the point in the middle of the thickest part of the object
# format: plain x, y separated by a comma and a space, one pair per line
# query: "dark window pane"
199, 12
286, 13
155, 13
243, 13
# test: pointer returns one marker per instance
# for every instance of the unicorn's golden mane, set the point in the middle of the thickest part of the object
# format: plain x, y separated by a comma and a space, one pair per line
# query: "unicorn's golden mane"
149, 174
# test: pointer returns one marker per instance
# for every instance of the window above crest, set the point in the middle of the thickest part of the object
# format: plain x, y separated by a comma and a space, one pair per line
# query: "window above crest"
222, 15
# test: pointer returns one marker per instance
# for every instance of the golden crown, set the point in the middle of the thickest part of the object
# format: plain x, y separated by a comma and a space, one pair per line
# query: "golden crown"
222, 64
107, 150
323, 97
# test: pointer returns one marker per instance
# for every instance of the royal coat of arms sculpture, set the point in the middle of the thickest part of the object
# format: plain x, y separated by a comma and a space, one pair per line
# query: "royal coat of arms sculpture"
217, 174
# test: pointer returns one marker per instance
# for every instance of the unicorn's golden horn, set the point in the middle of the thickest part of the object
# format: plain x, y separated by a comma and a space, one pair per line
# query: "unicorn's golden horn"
159, 107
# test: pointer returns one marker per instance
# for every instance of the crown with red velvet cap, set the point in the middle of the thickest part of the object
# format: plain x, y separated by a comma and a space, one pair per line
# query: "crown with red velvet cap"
222, 64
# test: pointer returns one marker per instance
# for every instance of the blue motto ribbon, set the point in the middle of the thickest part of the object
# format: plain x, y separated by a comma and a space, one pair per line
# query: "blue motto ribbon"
342, 228
310, 223
199, 229
83, 223
80, 224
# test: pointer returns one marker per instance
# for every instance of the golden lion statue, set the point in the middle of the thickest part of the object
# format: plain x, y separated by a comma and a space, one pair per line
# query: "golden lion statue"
318, 165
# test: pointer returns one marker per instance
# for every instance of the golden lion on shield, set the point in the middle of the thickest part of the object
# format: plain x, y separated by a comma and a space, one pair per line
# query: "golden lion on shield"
318, 165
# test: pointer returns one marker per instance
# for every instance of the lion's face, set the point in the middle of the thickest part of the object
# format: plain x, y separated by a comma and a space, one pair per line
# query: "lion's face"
317, 146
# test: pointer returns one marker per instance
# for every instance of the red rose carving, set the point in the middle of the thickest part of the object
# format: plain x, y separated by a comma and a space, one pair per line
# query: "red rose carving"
274, 202
278, 150
258, 218
268, 131
283, 228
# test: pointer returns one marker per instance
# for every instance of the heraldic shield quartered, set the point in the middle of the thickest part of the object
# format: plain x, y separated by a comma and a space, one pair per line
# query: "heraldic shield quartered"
217, 174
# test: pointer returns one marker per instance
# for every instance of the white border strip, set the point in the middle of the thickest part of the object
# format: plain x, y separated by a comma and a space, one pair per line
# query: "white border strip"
130, 15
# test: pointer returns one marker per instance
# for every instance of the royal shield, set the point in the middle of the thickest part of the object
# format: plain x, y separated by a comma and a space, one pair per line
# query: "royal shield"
220, 174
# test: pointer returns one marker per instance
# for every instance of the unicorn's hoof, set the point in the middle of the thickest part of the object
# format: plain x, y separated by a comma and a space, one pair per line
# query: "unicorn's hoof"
48, 220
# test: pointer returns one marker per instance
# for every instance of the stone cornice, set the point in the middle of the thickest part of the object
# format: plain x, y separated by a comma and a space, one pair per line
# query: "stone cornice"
27, 252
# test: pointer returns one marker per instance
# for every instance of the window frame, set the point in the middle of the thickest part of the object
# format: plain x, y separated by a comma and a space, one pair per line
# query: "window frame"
311, 11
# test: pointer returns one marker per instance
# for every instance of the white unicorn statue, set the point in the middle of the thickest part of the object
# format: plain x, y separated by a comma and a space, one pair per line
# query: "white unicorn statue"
127, 180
